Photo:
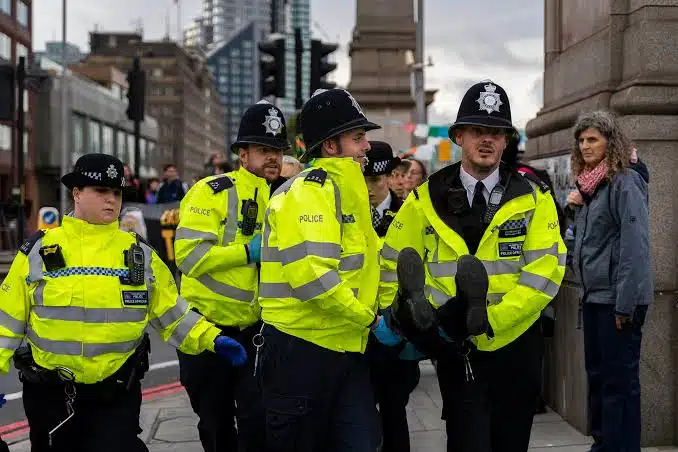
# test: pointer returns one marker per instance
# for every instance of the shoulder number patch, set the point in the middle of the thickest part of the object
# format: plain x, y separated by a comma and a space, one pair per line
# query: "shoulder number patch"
27, 246
220, 184
317, 175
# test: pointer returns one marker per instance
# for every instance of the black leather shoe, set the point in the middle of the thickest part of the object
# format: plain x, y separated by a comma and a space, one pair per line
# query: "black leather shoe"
472, 285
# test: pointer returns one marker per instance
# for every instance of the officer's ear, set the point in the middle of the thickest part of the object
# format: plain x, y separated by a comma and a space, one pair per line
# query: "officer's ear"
331, 147
243, 153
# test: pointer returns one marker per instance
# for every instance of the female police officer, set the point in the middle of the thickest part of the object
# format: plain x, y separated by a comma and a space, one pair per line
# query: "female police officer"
81, 295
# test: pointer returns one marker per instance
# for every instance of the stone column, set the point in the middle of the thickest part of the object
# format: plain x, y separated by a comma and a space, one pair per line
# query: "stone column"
620, 55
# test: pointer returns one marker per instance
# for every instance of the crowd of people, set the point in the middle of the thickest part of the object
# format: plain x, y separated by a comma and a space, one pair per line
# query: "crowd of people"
310, 289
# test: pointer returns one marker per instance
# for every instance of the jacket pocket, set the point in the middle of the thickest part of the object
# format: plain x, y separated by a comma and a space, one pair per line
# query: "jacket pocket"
53, 293
596, 271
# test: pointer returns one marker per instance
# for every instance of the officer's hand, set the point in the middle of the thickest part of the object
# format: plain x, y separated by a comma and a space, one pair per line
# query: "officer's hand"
384, 334
2, 399
231, 350
254, 248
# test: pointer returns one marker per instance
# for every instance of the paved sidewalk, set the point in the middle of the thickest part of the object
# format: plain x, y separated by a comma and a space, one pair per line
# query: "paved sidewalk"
170, 425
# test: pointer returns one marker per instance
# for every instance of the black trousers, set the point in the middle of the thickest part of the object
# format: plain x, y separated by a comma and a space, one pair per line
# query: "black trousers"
105, 420
220, 393
316, 400
393, 380
493, 412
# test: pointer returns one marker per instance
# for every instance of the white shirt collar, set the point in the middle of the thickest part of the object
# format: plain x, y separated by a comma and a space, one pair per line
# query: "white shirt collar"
385, 204
469, 182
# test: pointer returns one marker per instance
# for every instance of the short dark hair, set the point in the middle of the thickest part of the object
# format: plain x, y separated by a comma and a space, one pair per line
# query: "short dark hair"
424, 173
168, 166
403, 166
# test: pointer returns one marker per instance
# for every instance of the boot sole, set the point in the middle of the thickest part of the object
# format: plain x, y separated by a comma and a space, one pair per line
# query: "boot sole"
472, 281
410, 271
411, 282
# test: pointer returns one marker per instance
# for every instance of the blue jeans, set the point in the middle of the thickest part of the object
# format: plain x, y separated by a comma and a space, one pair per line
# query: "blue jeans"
612, 359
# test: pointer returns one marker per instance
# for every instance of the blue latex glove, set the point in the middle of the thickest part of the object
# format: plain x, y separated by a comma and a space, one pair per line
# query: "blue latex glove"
385, 335
410, 353
2, 399
231, 350
254, 248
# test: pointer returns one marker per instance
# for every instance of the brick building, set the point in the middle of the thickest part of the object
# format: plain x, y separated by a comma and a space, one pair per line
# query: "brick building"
15, 41
180, 94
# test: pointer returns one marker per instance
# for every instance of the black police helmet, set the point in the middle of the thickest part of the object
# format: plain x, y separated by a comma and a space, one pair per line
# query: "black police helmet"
485, 104
264, 124
380, 159
96, 170
329, 113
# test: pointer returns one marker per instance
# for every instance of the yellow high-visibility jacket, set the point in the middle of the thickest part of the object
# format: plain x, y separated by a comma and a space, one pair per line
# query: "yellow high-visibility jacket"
84, 316
211, 249
320, 258
522, 251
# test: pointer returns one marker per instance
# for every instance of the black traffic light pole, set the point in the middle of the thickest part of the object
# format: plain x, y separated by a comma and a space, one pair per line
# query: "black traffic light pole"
136, 99
299, 51
19, 189
137, 126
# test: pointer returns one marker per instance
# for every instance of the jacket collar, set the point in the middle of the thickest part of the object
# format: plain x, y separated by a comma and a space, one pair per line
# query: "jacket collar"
249, 178
448, 195
78, 227
340, 168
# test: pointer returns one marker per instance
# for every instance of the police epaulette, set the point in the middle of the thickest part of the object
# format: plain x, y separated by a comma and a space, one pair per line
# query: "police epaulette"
28, 245
317, 175
220, 184
543, 186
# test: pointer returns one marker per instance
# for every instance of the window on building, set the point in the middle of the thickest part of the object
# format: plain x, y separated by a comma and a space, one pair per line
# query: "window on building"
129, 158
5, 7
5, 138
26, 138
78, 137
94, 139
156, 72
143, 158
5, 46
22, 14
121, 145
21, 51
107, 140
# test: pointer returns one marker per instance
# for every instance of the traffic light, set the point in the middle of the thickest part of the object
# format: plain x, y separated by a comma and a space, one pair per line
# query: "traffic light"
7, 93
320, 67
136, 92
272, 68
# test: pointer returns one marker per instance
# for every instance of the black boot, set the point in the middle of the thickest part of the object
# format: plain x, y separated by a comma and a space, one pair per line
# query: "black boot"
412, 314
472, 285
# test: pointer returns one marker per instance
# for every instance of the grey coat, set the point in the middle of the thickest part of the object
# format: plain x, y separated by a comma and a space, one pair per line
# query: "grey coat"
612, 246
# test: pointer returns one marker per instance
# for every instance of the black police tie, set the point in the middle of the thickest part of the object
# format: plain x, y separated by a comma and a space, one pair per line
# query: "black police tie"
479, 204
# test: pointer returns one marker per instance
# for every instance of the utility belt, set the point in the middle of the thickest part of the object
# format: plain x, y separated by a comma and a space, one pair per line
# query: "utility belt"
131, 372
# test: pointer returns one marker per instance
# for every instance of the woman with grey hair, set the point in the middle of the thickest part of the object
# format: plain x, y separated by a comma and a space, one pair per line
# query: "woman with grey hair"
611, 259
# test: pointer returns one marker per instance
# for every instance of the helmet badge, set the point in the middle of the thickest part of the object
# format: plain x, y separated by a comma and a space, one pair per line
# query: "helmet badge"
272, 122
355, 103
489, 99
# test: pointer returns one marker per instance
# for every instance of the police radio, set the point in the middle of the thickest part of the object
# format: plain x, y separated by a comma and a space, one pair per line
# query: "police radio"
134, 259
249, 211
493, 204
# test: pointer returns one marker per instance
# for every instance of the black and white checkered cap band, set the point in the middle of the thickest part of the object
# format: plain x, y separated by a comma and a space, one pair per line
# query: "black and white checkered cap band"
381, 166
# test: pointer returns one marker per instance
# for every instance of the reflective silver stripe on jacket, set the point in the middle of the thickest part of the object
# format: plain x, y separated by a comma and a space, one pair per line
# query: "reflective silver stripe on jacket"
197, 253
231, 227
35, 271
439, 297
148, 270
533, 255
389, 253
171, 315
494, 298
13, 325
77, 348
226, 290
352, 262
10, 343
301, 250
193, 234
308, 291
183, 328
387, 276
90, 315
539, 283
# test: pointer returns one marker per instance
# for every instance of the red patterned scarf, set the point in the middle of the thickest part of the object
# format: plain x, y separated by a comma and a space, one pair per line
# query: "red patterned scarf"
589, 179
